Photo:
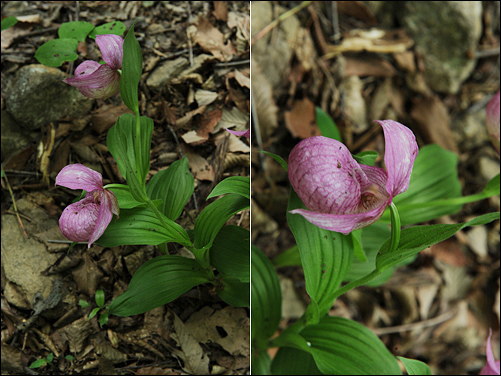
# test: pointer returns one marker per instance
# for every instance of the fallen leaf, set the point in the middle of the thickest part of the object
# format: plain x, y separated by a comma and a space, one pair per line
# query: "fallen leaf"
300, 121
368, 66
200, 168
220, 10
106, 116
212, 40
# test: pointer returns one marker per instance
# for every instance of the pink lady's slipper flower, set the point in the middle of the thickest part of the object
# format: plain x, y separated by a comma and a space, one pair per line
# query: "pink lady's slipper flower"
240, 133
492, 120
341, 194
492, 366
86, 220
100, 81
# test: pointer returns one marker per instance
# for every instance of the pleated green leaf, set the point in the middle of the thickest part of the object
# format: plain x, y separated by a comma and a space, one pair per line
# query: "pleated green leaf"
415, 367
260, 363
326, 125
214, 216
158, 282
140, 225
291, 361
230, 253
414, 239
132, 65
344, 347
266, 299
174, 186
234, 184
326, 257
235, 292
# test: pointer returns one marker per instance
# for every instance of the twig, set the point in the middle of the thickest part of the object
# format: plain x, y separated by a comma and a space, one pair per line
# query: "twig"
14, 202
281, 18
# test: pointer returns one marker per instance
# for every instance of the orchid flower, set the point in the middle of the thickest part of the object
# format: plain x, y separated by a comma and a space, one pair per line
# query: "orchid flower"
100, 81
240, 133
341, 194
492, 119
87, 219
492, 366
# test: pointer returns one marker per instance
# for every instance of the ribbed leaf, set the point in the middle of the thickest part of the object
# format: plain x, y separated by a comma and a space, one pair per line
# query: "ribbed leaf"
230, 252
214, 216
235, 292
132, 65
234, 184
158, 282
174, 186
290, 361
326, 257
415, 367
266, 299
345, 347
326, 125
141, 226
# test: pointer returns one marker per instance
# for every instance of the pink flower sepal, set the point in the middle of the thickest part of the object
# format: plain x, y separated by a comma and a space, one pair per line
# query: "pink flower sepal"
492, 119
342, 195
87, 219
240, 133
100, 81
492, 366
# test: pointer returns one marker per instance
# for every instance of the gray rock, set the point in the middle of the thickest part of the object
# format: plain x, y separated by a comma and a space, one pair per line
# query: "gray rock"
13, 137
38, 96
446, 34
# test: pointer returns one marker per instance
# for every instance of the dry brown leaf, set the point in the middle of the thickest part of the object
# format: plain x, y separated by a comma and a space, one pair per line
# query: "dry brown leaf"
212, 40
192, 137
368, 66
236, 96
433, 119
243, 77
106, 116
405, 60
300, 121
186, 119
263, 101
220, 10
208, 122
200, 168
191, 353
205, 97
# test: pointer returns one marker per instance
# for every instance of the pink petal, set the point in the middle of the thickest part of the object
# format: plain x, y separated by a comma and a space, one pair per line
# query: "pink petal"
492, 119
111, 47
240, 133
78, 176
400, 153
343, 223
325, 176
104, 217
102, 83
78, 220
492, 366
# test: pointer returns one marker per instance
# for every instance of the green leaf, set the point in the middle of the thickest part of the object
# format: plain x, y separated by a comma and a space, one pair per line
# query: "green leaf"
326, 125
8, 22
77, 30
93, 312
326, 256
174, 186
358, 250
291, 361
415, 367
260, 362
367, 158
278, 158
99, 298
234, 184
235, 292
132, 65
214, 216
69, 357
103, 319
50, 357
38, 363
290, 257
124, 197
158, 282
414, 239
141, 226
266, 299
122, 141
55, 52
116, 27
345, 347
492, 187
434, 176
229, 253
82, 303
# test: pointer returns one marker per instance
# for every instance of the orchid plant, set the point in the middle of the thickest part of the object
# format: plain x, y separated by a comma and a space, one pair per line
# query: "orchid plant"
146, 213
338, 212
